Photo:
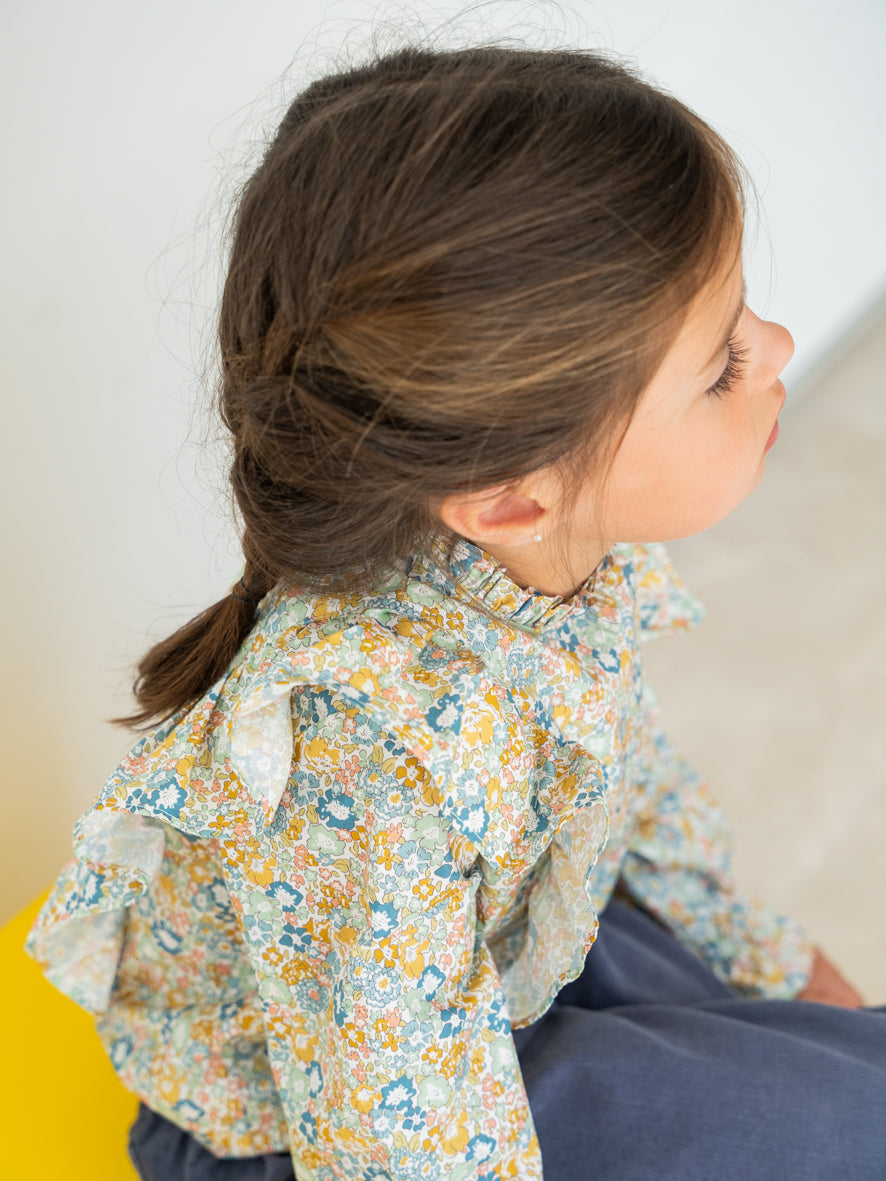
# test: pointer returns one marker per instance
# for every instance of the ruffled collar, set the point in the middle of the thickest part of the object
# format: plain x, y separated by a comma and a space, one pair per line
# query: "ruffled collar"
470, 573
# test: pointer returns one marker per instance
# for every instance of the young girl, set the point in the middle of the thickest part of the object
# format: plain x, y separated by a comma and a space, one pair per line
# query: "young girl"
406, 881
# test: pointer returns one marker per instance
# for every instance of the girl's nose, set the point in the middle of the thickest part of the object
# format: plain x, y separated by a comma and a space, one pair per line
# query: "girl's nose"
778, 348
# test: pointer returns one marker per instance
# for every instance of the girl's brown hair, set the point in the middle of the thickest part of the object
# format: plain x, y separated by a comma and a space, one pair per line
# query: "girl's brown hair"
449, 270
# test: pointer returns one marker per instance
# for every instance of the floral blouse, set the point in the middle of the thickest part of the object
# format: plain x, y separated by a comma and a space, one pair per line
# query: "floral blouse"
308, 910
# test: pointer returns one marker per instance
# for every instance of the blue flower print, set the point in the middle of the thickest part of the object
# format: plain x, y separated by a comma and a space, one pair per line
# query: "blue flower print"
412, 1166
91, 887
430, 980
471, 819
308, 996
452, 1020
121, 1048
229, 1009
481, 1148
279, 823
384, 918
165, 795
384, 1123
315, 1079
608, 661
413, 859
376, 1173
288, 896
448, 872
335, 809
166, 937
339, 1005
219, 901
298, 938
380, 986
568, 640
498, 1020
399, 1095
541, 811
445, 713
307, 1125
304, 786
188, 1110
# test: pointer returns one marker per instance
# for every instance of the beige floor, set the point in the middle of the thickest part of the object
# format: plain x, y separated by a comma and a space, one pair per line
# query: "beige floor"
779, 697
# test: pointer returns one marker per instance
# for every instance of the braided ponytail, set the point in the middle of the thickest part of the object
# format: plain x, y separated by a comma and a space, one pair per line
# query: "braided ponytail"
175, 673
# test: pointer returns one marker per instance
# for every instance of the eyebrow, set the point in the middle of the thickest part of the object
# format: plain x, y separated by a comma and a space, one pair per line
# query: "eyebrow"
733, 323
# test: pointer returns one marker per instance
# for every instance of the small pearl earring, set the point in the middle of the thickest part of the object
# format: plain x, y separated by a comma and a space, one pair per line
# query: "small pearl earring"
537, 537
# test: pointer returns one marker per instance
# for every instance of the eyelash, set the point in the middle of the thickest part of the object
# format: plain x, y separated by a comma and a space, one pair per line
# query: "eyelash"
734, 371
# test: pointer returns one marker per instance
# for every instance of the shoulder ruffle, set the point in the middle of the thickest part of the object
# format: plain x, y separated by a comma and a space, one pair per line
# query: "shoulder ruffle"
664, 605
78, 935
119, 844
451, 711
443, 704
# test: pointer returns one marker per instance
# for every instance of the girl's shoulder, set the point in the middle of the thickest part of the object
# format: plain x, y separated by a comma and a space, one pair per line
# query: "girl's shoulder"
421, 664
393, 658
451, 624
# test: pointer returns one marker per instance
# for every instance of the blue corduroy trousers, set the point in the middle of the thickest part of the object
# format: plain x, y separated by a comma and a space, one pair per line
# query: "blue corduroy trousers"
648, 1068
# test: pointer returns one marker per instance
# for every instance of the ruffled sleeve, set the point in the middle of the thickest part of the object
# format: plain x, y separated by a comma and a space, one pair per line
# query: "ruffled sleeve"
78, 935
331, 772
119, 846
388, 1029
678, 865
512, 800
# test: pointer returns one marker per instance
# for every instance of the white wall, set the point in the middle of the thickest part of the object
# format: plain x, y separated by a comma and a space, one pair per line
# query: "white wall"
125, 126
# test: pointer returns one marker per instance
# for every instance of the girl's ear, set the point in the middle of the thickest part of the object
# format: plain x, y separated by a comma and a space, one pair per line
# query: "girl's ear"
502, 516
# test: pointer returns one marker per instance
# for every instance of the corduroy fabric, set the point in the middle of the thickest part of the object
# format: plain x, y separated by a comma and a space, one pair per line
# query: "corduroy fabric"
647, 1068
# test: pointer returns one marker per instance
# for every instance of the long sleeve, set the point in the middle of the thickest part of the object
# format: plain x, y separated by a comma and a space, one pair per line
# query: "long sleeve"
679, 867
388, 1031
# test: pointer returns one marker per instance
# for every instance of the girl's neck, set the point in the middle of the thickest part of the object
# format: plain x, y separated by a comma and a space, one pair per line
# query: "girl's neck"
536, 567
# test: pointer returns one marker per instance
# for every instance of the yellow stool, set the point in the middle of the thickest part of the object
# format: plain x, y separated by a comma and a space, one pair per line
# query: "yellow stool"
65, 1112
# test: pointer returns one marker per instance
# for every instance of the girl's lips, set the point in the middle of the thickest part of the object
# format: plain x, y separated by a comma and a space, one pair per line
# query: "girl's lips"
772, 437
